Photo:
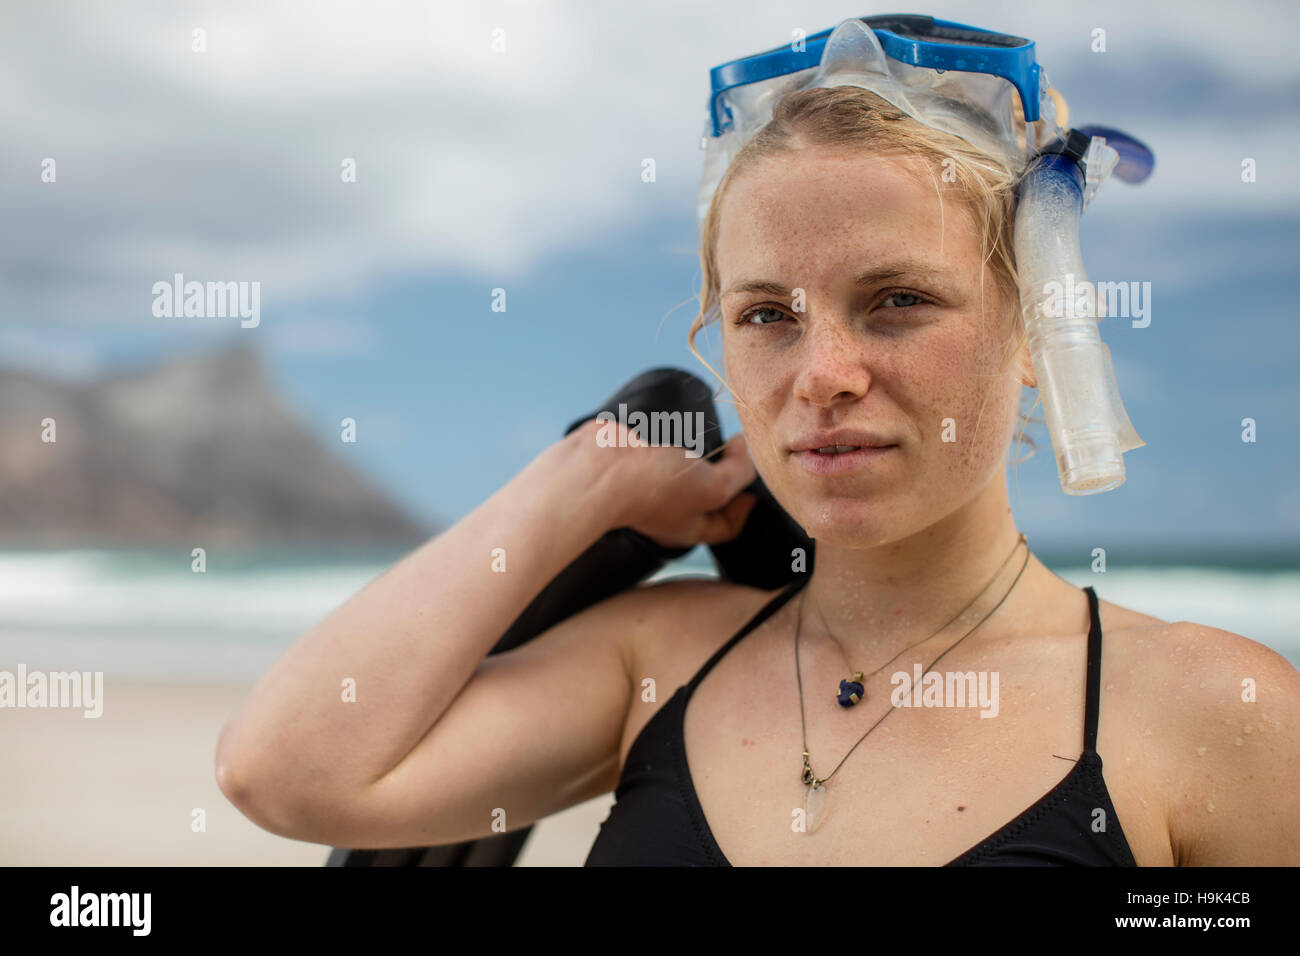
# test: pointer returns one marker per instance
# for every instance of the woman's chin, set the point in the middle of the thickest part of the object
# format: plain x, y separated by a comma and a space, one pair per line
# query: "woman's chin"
844, 522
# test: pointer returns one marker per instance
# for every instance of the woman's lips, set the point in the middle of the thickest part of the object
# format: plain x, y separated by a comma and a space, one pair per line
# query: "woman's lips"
843, 463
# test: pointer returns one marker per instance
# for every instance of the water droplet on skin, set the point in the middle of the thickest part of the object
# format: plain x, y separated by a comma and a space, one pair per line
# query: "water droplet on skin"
1210, 806
1237, 741
1200, 751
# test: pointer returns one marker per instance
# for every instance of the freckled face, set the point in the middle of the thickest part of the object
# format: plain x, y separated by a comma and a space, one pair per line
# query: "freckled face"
888, 338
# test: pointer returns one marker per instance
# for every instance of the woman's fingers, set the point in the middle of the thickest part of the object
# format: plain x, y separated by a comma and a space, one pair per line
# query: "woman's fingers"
676, 502
720, 526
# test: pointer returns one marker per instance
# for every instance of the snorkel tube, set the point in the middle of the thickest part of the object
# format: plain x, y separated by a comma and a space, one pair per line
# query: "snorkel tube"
1084, 413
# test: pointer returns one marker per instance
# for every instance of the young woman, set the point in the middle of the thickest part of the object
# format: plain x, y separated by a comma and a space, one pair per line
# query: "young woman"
874, 348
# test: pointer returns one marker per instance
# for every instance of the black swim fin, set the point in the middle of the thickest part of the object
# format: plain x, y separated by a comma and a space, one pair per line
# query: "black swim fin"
763, 555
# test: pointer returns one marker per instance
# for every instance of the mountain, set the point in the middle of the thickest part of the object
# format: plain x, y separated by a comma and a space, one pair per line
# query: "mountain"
197, 451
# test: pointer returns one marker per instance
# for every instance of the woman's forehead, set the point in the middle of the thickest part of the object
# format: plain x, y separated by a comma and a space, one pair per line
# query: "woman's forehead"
807, 213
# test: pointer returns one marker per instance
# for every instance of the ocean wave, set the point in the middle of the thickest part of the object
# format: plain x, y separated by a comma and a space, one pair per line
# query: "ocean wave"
150, 615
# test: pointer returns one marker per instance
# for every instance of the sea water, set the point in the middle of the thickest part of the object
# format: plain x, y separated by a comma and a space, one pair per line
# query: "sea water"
148, 614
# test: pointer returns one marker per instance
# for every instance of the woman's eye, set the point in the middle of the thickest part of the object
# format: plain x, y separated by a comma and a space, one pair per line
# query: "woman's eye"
748, 317
905, 295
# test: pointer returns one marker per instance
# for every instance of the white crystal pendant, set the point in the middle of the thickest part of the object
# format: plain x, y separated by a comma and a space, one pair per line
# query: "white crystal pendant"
814, 806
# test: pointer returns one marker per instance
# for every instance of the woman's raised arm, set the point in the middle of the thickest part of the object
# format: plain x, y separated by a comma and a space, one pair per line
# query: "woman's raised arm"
357, 693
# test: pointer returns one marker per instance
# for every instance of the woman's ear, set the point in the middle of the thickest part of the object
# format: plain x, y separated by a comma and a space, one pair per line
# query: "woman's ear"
1025, 365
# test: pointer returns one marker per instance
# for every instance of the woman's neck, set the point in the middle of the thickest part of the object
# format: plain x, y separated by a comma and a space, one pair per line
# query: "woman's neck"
875, 602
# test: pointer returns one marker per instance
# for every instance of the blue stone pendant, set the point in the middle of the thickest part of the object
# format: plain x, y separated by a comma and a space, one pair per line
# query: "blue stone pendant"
851, 691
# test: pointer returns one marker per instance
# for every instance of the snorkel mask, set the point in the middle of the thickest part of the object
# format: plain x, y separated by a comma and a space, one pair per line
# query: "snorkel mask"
985, 88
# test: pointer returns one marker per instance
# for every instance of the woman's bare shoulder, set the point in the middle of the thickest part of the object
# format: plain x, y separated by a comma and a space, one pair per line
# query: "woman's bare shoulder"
1219, 716
680, 618
1185, 655
1116, 617
1195, 678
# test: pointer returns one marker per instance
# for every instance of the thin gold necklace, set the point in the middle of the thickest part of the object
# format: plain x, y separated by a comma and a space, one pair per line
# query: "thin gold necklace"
816, 793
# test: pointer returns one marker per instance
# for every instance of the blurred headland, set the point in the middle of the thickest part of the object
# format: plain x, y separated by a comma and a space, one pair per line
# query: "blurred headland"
196, 450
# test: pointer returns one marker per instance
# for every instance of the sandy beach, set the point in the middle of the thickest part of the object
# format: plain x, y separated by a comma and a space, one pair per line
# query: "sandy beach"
180, 652
121, 789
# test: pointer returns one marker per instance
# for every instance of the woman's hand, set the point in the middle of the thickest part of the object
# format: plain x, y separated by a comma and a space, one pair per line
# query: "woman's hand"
672, 498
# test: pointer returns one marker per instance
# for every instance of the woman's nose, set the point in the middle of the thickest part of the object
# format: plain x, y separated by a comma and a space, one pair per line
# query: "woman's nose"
832, 364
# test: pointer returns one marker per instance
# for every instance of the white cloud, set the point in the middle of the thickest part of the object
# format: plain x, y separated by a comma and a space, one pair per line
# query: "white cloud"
225, 164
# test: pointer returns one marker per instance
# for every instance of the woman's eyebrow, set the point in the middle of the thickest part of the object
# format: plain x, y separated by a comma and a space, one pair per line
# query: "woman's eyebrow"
894, 270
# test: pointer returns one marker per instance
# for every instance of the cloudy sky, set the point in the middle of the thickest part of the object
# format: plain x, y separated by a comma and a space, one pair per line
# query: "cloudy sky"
500, 145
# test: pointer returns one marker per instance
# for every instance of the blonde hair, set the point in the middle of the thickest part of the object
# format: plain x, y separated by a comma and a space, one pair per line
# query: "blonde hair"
849, 117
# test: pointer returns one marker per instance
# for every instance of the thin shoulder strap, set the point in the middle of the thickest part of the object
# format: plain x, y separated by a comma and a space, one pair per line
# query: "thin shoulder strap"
767, 611
1092, 706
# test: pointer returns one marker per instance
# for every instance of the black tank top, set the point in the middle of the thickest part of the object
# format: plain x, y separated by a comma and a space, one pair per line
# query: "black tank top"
657, 820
